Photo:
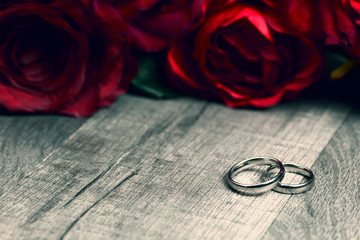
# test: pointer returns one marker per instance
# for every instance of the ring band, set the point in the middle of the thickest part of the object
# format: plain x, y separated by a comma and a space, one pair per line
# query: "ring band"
294, 188
256, 188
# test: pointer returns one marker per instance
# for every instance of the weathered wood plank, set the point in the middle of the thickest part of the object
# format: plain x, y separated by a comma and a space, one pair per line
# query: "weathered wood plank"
332, 209
79, 163
26, 140
154, 169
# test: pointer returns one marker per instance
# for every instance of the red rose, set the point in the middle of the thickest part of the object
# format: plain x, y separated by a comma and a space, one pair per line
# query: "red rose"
237, 56
153, 23
341, 21
294, 16
60, 56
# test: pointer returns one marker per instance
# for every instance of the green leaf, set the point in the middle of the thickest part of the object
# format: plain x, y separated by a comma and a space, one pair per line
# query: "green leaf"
334, 59
148, 81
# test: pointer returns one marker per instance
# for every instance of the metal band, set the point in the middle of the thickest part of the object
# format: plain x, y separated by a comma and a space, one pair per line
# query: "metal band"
255, 188
294, 188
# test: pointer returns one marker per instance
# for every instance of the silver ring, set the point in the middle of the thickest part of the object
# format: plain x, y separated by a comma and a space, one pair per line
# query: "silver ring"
260, 187
294, 188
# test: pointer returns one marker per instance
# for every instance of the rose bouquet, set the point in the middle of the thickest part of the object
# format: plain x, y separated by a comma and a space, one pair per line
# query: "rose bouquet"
75, 56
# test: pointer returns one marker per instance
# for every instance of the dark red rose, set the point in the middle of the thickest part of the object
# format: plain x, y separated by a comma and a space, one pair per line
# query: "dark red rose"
61, 56
341, 23
294, 16
237, 56
152, 24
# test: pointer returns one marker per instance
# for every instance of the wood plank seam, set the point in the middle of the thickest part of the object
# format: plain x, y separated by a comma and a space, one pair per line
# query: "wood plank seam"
68, 229
318, 159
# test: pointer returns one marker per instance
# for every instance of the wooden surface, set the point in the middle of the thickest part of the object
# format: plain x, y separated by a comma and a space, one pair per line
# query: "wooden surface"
154, 169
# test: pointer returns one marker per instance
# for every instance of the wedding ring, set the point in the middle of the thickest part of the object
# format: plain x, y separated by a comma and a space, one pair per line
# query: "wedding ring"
294, 188
260, 187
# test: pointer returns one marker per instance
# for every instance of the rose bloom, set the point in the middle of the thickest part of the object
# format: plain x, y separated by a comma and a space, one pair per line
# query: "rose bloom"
341, 24
151, 24
295, 16
241, 56
61, 56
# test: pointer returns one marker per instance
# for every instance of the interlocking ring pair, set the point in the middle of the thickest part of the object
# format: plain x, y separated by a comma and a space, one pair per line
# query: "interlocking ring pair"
271, 183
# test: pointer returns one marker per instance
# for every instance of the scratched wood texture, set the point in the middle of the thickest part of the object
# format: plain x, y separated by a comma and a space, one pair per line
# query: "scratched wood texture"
154, 169
332, 209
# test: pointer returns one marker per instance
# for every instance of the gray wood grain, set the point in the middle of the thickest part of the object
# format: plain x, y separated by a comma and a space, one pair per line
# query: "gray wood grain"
147, 169
26, 140
332, 209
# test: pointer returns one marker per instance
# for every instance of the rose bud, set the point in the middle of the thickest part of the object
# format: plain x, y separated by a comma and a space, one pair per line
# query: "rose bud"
61, 56
240, 57
152, 24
